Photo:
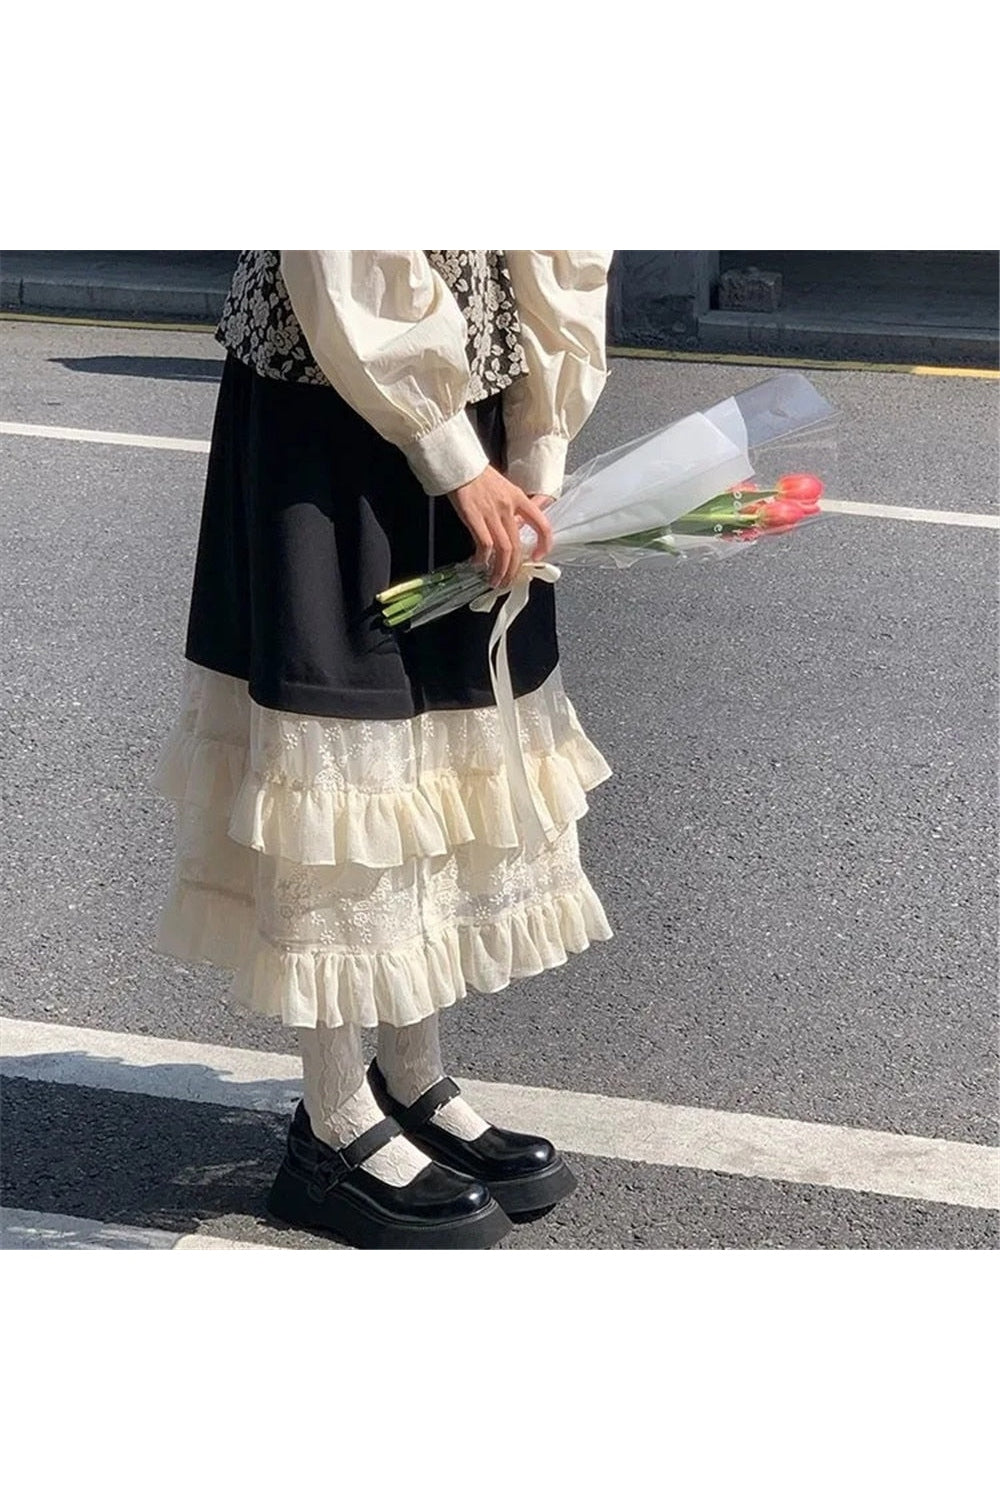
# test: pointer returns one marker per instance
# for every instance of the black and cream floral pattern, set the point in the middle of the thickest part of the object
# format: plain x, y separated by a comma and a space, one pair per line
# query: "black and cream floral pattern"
258, 325
480, 283
260, 328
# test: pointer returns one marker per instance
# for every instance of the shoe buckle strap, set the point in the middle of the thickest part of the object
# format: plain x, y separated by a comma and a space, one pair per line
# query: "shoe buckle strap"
420, 1111
338, 1162
326, 1174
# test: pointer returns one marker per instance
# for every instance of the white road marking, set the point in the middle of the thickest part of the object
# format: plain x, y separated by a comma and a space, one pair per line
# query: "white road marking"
196, 445
912, 513
22, 1229
744, 1145
90, 435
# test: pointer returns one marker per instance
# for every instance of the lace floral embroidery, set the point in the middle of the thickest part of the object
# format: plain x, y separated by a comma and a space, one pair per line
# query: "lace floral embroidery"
339, 885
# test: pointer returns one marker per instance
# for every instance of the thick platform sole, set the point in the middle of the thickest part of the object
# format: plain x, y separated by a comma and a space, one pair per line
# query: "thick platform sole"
526, 1195
363, 1230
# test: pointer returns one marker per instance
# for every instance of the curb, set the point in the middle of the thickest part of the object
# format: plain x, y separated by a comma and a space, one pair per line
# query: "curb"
124, 299
199, 299
834, 338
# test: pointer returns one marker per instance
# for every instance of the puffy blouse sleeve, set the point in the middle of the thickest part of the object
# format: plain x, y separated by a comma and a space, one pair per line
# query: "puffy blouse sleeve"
561, 300
390, 338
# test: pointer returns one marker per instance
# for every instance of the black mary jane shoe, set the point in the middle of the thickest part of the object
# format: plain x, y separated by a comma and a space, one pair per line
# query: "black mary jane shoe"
321, 1188
525, 1173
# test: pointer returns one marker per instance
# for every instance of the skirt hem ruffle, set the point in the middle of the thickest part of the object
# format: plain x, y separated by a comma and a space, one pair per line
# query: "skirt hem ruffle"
303, 986
417, 818
318, 825
429, 812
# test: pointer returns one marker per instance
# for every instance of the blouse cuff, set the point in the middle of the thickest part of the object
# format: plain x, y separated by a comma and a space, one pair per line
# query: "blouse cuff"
539, 465
447, 456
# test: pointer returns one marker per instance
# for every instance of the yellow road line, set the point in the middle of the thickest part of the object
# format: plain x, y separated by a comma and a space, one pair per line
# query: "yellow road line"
936, 370
85, 322
615, 351
707, 357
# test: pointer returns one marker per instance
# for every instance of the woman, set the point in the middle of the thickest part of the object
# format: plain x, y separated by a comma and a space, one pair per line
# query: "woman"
347, 844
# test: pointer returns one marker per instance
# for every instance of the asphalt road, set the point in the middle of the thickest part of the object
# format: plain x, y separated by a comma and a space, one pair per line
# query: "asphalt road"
797, 850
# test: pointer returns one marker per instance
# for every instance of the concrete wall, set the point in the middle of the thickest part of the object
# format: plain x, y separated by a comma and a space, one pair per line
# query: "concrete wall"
908, 306
657, 296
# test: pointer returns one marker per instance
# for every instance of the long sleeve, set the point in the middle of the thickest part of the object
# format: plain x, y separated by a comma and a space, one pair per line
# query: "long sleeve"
561, 303
390, 338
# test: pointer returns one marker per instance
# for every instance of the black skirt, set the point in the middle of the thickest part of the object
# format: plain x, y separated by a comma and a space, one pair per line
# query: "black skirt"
308, 513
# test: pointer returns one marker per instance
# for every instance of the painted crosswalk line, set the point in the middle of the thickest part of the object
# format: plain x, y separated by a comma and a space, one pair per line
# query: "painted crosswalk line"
635, 1130
22, 1229
983, 520
95, 435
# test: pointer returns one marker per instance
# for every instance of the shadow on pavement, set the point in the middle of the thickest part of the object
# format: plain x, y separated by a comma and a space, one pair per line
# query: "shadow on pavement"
149, 367
134, 1159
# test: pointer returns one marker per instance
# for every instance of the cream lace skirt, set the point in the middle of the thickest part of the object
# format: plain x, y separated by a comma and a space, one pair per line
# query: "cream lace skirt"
360, 871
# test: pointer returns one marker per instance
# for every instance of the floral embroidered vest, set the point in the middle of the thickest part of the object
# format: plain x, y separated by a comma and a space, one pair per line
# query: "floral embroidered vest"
260, 328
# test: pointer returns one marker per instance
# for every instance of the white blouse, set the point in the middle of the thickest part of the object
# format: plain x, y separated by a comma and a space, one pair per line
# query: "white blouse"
391, 339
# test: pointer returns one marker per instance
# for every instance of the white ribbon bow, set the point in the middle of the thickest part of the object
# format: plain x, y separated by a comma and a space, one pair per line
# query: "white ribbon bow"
535, 830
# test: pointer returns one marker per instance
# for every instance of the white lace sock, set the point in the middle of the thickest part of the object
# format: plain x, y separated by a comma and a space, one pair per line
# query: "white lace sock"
341, 1105
410, 1060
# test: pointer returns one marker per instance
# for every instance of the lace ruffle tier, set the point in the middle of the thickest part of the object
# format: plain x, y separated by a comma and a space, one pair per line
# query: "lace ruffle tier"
346, 870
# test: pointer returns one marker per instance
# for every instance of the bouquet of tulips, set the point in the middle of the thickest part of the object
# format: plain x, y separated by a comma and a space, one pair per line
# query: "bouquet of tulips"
686, 491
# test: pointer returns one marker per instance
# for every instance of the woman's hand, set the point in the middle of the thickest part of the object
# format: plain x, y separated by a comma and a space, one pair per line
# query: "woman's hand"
492, 509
